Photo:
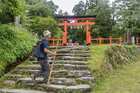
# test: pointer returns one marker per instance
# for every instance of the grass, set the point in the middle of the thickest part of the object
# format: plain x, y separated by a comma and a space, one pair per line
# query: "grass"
124, 79
97, 57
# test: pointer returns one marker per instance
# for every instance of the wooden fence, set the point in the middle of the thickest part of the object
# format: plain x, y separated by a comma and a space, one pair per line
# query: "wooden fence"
96, 41
106, 41
55, 42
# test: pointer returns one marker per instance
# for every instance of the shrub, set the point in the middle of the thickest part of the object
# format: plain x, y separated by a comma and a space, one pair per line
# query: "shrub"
119, 55
14, 43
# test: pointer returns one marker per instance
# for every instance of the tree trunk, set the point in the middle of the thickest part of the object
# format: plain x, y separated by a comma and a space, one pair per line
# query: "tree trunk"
129, 37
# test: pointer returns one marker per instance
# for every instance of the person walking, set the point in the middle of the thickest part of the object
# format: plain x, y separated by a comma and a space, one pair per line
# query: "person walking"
41, 53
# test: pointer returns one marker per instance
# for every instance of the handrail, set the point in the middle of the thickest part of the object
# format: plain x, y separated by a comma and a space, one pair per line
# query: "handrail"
51, 69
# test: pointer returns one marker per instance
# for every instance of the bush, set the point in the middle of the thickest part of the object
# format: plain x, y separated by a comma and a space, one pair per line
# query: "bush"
14, 43
119, 55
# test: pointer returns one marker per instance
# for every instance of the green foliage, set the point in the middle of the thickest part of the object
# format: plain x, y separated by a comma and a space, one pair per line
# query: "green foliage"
126, 13
102, 10
14, 43
39, 17
77, 35
11, 8
41, 8
79, 9
40, 24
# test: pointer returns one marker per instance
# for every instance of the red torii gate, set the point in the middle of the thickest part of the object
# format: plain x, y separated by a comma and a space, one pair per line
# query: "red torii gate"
85, 21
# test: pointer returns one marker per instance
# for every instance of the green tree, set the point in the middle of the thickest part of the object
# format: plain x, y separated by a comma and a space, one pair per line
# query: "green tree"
103, 25
40, 24
41, 8
127, 16
40, 17
9, 9
130, 15
102, 10
79, 9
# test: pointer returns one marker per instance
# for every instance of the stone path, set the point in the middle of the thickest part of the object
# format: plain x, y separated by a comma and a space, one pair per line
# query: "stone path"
70, 74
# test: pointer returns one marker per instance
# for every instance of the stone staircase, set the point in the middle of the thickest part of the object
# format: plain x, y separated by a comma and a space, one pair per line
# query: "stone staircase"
70, 74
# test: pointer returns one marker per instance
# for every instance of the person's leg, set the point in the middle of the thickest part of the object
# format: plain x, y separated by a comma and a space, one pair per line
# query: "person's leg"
41, 69
45, 68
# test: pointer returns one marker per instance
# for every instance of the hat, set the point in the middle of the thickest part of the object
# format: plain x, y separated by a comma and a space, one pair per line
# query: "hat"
46, 33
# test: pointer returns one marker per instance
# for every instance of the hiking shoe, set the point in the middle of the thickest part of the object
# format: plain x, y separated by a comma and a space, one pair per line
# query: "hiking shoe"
45, 80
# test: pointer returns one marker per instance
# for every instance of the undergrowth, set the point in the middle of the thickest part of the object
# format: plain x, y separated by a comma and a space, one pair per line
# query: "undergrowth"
15, 43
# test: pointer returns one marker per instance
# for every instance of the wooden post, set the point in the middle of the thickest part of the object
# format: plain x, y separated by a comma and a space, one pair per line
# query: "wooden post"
120, 41
110, 40
137, 41
53, 42
100, 41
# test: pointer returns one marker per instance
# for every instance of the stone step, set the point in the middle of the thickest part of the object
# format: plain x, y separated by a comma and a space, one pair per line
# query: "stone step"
57, 73
13, 76
72, 54
9, 82
68, 47
71, 62
26, 72
56, 81
87, 78
19, 91
63, 81
72, 51
70, 58
29, 80
71, 74
72, 81
83, 88
63, 62
72, 67
55, 66
60, 73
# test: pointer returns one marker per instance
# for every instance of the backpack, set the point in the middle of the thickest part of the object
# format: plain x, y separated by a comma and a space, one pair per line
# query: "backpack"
37, 51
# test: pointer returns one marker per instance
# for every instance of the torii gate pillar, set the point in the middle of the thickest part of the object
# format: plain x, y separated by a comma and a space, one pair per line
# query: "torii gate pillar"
65, 33
88, 34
